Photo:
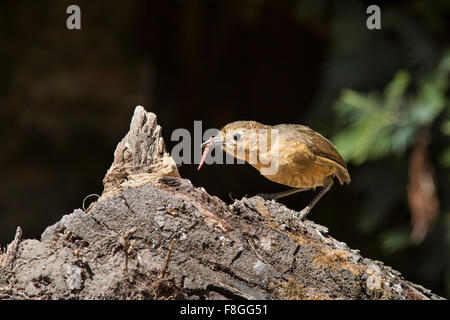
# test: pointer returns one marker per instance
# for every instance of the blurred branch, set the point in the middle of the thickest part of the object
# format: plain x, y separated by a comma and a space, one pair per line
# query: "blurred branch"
422, 192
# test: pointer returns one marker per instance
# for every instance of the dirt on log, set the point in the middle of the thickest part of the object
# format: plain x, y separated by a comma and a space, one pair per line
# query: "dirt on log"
153, 235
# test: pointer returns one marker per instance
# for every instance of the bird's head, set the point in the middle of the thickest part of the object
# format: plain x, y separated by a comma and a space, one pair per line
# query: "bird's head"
237, 137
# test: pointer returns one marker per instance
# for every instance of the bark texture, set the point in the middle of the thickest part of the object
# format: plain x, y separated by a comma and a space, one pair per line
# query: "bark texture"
153, 235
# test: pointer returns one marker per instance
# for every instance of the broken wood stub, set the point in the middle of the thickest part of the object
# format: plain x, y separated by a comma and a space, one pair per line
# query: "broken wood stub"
141, 156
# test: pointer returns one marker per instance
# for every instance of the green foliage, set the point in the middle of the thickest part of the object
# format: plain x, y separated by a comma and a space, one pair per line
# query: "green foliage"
376, 125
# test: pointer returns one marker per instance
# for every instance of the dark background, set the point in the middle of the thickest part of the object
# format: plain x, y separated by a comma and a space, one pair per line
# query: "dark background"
67, 97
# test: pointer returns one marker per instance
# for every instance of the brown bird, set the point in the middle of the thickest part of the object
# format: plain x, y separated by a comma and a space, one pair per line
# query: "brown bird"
289, 154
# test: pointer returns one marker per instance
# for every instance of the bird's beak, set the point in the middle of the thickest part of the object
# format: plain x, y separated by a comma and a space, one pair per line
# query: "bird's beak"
215, 142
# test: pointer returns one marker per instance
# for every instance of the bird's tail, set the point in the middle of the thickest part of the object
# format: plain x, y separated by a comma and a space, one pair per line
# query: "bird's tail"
342, 175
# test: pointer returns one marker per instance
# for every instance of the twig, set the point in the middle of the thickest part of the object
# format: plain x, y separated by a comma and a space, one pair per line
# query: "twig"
88, 196
127, 246
250, 242
164, 269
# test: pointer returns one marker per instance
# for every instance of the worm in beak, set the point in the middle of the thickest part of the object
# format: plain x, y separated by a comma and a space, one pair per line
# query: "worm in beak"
213, 141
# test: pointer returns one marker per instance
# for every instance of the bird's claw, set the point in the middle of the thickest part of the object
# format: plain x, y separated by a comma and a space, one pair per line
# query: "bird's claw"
304, 212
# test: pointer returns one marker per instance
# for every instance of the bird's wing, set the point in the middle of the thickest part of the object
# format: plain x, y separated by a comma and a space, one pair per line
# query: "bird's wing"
311, 144
317, 144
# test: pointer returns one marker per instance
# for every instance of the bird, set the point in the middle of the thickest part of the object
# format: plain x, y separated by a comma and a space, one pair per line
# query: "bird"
304, 159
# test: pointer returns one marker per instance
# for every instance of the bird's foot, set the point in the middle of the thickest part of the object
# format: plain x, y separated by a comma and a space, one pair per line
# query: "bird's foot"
304, 212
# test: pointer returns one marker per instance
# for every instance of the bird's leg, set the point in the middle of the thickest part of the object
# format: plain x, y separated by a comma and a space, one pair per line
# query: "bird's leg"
278, 195
316, 199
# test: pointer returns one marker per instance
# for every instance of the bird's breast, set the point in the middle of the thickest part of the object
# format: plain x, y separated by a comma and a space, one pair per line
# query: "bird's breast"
302, 176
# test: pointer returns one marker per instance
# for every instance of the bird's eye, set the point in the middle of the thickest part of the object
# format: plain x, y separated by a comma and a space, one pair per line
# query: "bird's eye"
236, 136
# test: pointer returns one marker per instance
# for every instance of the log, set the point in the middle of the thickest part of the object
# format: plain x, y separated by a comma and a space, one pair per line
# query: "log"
153, 235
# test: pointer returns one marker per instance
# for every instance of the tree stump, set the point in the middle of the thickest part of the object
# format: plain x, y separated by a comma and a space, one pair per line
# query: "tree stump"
153, 235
